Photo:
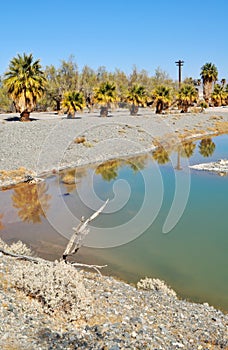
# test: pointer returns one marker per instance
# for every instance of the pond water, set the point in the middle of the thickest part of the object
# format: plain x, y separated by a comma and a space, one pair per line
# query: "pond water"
163, 219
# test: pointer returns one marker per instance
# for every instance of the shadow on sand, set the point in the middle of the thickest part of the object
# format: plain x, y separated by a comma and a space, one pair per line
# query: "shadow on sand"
17, 119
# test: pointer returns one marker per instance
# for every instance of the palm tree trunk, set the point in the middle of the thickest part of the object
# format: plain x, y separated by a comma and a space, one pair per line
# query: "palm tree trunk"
159, 107
24, 116
207, 89
134, 109
104, 111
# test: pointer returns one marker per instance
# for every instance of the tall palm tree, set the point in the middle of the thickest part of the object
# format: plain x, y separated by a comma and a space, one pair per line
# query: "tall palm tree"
25, 83
206, 147
162, 98
105, 94
187, 95
219, 95
209, 74
137, 97
72, 102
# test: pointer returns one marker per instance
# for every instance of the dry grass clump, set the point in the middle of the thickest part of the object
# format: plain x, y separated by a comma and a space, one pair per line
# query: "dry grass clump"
80, 139
17, 248
11, 177
155, 285
216, 117
221, 127
57, 286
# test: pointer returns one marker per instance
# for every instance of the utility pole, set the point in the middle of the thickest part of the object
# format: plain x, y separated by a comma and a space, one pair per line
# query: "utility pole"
179, 64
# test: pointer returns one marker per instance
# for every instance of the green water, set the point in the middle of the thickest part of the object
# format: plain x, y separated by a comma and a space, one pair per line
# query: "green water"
192, 257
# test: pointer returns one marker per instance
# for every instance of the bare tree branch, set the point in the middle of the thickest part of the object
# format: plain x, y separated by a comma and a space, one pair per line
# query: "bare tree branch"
23, 257
79, 234
95, 267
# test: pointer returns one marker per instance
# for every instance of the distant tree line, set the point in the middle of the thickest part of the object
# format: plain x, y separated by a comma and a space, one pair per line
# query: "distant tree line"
26, 87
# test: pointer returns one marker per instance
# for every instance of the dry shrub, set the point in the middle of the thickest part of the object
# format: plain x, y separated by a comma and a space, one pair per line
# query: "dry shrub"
155, 285
17, 248
216, 117
80, 139
57, 286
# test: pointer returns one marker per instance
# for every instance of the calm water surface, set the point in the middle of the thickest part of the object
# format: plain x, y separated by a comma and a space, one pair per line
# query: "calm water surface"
192, 258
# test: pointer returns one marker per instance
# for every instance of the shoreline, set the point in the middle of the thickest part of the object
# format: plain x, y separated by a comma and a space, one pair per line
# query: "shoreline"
37, 310
47, 145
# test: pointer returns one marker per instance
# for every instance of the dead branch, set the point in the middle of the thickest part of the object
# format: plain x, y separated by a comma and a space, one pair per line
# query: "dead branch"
73, 246
38, 260
79, 234
95, 267
23, 257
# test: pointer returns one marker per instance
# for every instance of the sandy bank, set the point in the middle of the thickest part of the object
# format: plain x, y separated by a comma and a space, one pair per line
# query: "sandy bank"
48, 142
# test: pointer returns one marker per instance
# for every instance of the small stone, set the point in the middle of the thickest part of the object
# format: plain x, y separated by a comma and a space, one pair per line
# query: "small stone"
133, 334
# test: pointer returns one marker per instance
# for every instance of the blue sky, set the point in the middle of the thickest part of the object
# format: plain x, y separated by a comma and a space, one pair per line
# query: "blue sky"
118, 33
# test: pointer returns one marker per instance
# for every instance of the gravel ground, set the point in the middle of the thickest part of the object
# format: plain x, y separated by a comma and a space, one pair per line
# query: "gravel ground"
47, 143
109, 314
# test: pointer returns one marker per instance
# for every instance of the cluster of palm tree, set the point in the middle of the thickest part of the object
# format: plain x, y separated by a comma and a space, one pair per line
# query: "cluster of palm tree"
67, 90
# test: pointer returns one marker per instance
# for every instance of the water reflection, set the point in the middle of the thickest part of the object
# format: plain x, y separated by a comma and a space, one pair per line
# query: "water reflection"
184, 150
1, 224
206, 147
137, 163
32, 201
161, 155
182, 258
70, 178
108, 170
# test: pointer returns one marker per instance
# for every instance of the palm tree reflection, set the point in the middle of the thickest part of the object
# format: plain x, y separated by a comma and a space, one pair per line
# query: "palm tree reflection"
137, 163
161, 155
206, 147
184, 150
32, 201
108, 170
71, 177
1, 224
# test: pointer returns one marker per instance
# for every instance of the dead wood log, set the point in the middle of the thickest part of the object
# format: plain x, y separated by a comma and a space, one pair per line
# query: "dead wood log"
76, 240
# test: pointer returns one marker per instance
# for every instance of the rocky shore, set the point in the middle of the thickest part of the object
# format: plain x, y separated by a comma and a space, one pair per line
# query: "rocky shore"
51, 305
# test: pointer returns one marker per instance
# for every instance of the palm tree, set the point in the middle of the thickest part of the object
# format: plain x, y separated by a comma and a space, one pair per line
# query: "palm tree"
32, 201
162, 98
187, 95
206, 147
73, 101
25, 83
219, 95
105, 94
137, 97
209, 74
